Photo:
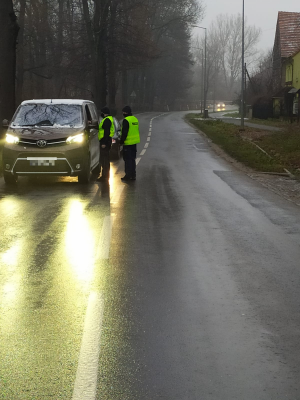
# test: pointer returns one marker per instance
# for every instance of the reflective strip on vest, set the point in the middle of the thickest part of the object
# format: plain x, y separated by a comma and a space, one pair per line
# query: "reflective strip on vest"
133, 136
101, 130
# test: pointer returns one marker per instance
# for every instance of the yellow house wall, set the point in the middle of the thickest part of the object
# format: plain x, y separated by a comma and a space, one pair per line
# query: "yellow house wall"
296, 77
289, 72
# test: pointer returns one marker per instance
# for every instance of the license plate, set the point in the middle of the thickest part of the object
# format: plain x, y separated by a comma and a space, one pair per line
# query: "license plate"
42, 162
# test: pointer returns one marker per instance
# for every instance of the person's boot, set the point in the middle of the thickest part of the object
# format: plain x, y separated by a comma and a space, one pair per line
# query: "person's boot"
102, 179
125, 178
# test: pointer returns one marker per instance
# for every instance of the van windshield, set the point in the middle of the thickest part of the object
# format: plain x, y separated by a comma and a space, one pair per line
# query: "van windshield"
56, 115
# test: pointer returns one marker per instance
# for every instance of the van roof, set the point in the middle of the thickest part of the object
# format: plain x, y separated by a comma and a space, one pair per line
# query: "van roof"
56, 101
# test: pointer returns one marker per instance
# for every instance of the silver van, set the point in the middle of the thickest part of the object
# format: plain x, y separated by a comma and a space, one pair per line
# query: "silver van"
52, 137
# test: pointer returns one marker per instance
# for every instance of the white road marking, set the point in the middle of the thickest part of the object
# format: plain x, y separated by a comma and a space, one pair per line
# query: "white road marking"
137, 160
105, 238
85, 387
150, 134
143, 152
146, 145
148, 139
150, 129
117, 194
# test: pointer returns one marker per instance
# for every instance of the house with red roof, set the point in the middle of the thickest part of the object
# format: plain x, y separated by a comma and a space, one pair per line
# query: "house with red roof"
286, 65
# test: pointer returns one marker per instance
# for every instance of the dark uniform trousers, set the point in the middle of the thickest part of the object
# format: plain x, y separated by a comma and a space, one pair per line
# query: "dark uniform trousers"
129, 156
105, 161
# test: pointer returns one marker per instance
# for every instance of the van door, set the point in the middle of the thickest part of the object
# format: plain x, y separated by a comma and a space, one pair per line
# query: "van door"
93, 135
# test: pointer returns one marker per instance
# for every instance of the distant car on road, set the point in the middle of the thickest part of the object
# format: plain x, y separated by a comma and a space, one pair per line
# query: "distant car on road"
52, 137
221, 107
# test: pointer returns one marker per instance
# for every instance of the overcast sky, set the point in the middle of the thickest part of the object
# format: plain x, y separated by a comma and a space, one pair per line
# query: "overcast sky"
261, 13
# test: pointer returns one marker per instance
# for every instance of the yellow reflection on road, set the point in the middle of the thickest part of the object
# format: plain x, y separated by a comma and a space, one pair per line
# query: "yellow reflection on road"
10, 257
10, 292
80, 242
112, 180
9, 207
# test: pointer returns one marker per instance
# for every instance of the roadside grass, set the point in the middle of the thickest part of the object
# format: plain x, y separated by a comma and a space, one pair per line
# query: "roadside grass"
195, 115
283, 147
268, 122
234, 114
272, 122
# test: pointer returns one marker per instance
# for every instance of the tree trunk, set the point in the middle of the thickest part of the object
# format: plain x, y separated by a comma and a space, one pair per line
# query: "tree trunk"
20, 53
8, 39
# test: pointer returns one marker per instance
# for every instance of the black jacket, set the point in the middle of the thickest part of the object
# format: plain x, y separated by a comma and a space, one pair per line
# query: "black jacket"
106, 140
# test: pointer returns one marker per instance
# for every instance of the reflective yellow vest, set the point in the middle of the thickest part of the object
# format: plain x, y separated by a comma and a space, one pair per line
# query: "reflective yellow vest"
101, 130
133, 136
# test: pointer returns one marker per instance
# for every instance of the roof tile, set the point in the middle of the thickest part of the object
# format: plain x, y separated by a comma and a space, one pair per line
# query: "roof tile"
289, 25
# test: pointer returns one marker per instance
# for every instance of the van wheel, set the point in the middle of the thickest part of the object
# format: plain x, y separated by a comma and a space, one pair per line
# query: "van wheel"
85, 175
10, 179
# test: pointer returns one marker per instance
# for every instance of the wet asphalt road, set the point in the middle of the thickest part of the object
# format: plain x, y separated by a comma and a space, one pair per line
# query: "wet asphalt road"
183, 285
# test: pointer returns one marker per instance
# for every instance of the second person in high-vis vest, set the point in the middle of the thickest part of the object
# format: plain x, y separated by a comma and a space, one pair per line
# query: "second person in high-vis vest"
130, 137
106, 132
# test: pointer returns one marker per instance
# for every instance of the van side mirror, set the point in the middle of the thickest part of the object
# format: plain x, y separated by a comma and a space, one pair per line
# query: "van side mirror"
5, 123
94, 124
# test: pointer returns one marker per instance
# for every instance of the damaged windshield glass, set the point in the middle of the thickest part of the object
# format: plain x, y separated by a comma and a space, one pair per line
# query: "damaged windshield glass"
49, 115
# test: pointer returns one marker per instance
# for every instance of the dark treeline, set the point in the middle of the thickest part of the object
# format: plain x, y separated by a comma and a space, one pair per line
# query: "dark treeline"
111, 51
8, 38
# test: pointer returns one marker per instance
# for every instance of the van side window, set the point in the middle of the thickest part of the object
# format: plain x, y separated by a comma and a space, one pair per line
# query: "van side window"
94, 112
88, 113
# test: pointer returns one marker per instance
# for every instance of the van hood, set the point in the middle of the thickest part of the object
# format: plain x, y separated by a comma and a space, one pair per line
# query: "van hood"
43, 132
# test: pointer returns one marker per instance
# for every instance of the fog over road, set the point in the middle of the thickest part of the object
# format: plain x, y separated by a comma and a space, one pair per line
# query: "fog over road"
183, 285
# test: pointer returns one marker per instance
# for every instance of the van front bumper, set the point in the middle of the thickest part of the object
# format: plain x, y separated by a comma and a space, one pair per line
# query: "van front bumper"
67, 160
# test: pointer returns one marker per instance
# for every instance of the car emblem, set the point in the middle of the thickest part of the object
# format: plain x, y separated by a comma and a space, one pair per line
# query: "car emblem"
41, 143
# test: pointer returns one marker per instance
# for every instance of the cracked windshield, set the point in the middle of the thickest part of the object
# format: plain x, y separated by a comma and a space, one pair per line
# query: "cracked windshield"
67, 115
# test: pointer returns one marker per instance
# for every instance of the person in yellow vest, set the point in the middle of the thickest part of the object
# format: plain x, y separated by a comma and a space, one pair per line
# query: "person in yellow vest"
106, 132
130, 137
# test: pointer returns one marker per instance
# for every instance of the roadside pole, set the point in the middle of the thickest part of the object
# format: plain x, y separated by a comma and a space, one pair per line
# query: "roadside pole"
243, 70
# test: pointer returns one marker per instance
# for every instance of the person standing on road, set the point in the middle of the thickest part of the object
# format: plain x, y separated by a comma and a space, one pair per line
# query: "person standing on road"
130, 137
106, 132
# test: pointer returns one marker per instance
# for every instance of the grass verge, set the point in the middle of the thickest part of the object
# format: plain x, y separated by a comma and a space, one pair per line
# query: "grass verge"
283, 147
235, 114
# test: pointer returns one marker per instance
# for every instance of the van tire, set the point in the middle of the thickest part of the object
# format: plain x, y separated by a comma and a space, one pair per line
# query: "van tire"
85, 175
10, 179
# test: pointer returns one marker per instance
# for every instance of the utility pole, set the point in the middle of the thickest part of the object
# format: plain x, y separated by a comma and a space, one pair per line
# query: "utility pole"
203, 79
243, 70
205, 57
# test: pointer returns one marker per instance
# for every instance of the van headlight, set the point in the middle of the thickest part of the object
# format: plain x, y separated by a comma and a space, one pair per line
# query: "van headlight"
75, 139
12, 139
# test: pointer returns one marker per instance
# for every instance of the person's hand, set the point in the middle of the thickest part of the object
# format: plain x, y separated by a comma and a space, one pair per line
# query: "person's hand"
103, 146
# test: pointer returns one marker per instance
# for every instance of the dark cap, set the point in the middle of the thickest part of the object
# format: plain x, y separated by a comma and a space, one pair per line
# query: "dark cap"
127, 110
105, 110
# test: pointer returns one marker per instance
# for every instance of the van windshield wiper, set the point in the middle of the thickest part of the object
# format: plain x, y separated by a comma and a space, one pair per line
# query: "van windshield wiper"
46, 122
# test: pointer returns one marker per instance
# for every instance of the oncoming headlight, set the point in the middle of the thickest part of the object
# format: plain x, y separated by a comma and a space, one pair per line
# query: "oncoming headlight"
75, 139
12, 139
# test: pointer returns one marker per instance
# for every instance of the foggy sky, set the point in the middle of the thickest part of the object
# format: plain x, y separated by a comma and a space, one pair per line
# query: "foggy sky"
261, 13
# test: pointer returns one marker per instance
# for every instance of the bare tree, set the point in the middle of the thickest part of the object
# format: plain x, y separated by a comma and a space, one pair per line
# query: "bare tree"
105, 49
8, 38
224, 54
261, 80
